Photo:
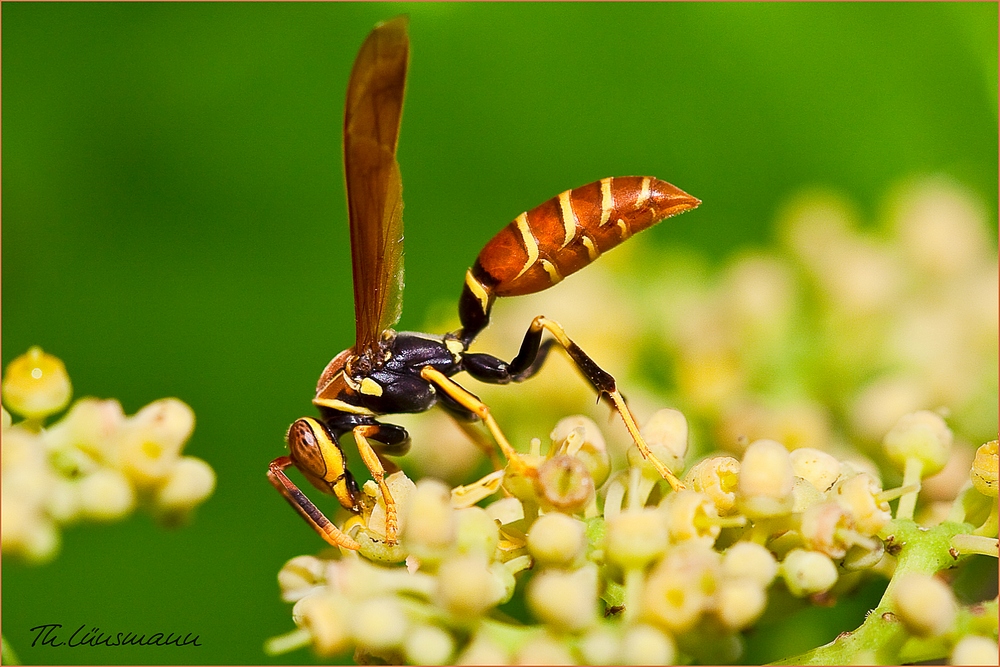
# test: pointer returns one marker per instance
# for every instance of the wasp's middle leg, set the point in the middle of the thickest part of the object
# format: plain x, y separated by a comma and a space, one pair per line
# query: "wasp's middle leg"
471, 403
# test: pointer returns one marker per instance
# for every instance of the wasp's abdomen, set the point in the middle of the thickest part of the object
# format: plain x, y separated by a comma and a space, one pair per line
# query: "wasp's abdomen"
544, 245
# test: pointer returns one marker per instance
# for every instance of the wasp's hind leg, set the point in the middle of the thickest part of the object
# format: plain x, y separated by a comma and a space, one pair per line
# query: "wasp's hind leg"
527, 362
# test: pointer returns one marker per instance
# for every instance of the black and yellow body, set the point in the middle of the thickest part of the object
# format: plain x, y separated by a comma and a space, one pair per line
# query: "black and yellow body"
391, 373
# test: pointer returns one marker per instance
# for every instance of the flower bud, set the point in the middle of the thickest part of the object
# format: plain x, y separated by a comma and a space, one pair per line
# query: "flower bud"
326, 616
188, 485
815, 466
504, 583
804, 495
429, 645
819, 528
430, 525
467, 587
566, 601
984, 469
739, 603
378, 624
27, 532
300, 576
401, 489
666, 433
556, 539
168, 421
646, 645
808, 572
974, 650
689, 516
36, 385
877, 407
858, 496
749, 560
106, 495
681, 586
600, 646
940, 226
27, 475
63, 503
920, 435
90, 426
477, 532
151, 440
506, 510
521, 481
924, 604
766, 480
635, 539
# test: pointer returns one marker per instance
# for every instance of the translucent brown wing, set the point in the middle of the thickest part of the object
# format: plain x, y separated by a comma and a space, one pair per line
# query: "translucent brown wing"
374, 189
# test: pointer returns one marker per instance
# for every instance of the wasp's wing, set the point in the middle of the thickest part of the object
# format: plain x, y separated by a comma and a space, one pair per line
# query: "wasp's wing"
374, 189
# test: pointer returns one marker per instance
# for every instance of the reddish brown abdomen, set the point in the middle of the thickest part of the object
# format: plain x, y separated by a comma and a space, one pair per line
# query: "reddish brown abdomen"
549, 242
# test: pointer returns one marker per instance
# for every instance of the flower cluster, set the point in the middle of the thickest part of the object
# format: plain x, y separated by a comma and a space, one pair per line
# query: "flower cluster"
635, 574
814, 384
94, 463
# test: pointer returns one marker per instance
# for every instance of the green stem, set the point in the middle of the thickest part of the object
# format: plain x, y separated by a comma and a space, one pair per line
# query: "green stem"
634, 578
911, 477
975, 544
881, 637
507, 635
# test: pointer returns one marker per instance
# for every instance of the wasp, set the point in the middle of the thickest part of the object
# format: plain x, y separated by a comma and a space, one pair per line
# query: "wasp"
389, 372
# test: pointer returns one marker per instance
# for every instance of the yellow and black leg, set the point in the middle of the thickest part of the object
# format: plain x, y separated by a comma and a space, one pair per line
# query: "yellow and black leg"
526, 364
470, 402
467, 420
376, 466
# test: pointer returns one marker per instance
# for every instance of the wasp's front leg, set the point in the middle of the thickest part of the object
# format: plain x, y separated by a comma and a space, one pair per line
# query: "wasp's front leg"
377, 466
314, 450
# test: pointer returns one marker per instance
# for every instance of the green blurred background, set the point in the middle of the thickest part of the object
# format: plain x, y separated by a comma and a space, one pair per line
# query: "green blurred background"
174, 215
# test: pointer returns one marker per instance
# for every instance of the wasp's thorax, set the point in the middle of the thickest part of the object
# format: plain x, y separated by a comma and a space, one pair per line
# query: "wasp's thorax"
386, 379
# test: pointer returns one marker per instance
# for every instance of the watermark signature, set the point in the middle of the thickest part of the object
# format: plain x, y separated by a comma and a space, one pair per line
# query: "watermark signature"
51, 634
